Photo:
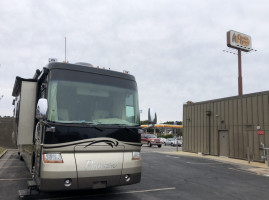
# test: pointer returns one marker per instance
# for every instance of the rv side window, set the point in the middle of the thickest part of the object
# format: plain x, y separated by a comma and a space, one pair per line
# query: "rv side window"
17, 111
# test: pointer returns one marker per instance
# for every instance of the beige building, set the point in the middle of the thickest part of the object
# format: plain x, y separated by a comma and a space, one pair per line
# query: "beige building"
234, 127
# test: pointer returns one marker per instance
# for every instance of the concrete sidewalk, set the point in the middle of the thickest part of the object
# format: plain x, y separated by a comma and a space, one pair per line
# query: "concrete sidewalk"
243, 165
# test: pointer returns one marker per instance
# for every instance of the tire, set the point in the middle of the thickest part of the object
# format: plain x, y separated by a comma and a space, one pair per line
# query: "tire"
21, 158
149, 144
33, 160
159, 146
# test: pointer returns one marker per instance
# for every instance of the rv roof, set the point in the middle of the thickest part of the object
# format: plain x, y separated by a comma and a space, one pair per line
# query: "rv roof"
83, 68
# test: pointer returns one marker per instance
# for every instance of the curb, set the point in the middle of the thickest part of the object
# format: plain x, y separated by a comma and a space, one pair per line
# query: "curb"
218, 158
3, 153
254, 167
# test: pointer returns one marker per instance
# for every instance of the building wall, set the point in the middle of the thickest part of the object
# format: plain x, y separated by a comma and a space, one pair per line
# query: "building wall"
239, 116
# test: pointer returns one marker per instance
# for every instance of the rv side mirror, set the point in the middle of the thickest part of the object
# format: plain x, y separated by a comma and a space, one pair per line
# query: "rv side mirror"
41, 108
152, 116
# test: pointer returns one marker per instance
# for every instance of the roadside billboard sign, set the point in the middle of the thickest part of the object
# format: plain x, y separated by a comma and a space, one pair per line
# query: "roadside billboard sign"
239, 41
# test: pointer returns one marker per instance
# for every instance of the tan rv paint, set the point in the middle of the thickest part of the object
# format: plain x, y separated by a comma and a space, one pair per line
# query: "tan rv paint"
26, 122
99, 164
27, 113
88, 164
90, 169
131, 166
67, 169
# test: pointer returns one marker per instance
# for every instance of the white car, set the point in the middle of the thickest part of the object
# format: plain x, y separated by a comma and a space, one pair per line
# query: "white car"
176, 142
169, 141
162, 140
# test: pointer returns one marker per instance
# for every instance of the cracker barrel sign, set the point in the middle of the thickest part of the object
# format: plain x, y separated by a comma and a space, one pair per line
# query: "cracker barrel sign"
239, 41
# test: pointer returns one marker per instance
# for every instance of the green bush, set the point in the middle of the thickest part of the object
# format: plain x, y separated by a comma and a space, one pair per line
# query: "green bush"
167, 136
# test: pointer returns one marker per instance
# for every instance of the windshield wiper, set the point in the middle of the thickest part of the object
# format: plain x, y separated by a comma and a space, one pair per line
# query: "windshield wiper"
91, 124
84, 123
75, 122
109, 142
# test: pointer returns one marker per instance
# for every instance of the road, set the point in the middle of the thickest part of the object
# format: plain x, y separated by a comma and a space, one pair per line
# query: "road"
164, 177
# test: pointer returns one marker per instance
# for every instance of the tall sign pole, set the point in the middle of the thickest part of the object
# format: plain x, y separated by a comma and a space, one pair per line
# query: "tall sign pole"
241, 42
240, 83
65, 49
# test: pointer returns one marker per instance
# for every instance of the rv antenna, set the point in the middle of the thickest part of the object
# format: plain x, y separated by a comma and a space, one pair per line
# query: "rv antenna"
65, 49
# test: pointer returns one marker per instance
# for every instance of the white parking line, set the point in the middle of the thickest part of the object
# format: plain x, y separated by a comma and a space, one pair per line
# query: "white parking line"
8, 159
141, 191
172, 156
14, 179
115, 193
12, 167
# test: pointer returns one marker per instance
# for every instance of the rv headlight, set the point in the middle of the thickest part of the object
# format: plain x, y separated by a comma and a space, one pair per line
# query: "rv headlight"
52, 158
136, 156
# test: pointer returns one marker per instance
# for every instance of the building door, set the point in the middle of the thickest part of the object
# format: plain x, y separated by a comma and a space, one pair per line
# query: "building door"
223, 143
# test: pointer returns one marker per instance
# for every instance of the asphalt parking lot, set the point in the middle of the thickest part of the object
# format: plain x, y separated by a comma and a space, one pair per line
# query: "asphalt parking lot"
166, 175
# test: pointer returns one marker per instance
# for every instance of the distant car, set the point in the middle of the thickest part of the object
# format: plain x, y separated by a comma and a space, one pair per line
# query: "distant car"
176, 142
168, 141
162, 140
150, 139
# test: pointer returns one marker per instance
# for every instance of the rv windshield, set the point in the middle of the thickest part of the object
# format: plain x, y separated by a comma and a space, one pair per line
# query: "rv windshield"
80, 97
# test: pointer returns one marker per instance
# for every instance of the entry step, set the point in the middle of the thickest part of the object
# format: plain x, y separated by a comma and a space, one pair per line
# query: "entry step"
23, 193
32, 184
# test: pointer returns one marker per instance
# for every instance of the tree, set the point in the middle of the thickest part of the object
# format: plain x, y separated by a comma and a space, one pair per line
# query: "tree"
173, 122
145, 122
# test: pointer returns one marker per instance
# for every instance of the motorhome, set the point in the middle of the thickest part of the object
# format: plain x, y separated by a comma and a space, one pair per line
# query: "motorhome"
78, 127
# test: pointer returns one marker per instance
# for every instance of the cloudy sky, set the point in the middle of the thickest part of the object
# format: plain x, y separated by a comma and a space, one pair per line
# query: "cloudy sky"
172, 47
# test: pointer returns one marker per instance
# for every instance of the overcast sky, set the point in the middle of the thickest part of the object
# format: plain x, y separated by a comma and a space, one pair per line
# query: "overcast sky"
172, 47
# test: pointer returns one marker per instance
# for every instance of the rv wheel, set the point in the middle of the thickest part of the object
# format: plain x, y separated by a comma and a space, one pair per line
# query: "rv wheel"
21, 158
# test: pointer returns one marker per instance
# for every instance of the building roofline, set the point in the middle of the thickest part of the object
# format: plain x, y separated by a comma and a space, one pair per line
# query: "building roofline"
228, 98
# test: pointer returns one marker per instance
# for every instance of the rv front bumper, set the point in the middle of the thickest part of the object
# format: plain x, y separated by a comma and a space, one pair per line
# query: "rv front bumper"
62, 184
